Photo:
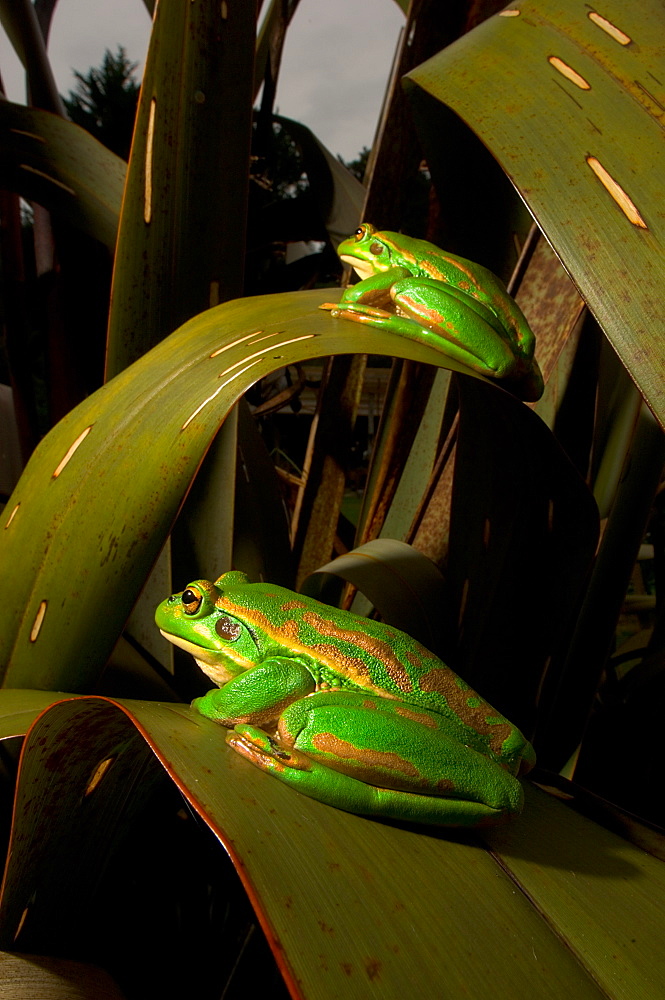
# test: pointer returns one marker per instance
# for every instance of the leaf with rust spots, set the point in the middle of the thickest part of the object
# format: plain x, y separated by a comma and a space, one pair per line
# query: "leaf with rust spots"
373, 968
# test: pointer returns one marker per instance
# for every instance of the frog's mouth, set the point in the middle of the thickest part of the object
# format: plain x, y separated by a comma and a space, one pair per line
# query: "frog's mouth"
207, 659
361, 267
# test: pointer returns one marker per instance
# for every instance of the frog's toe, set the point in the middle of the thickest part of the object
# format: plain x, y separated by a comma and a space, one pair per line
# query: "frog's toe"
263, 751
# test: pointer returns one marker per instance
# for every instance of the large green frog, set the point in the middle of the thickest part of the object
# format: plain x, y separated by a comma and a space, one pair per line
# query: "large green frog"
347, 710
414, 289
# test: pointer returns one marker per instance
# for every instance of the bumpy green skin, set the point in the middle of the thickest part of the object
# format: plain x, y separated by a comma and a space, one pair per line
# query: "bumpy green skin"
347, 710
415, 289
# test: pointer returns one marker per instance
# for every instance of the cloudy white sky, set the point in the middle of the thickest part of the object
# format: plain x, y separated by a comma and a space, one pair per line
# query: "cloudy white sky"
334, 72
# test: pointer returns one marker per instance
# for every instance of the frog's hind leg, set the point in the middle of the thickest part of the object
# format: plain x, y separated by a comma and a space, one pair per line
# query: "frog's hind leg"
377, 756
342, 791
460, 326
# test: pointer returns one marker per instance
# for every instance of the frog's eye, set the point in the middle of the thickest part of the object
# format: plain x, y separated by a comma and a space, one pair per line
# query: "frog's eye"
377, 249
191, 601
228, 629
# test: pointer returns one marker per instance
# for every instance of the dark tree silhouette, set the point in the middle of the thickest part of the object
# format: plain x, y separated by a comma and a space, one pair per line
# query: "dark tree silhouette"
359, 165
104, 101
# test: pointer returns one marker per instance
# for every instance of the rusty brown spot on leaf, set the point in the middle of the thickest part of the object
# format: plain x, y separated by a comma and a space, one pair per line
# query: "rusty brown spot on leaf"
372, 968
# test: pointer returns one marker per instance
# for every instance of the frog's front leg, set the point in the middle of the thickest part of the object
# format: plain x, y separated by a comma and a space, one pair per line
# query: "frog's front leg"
372, 290
257, 695
377, 756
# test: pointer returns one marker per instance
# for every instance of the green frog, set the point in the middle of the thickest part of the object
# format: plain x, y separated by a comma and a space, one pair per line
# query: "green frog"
414, 289
345, 709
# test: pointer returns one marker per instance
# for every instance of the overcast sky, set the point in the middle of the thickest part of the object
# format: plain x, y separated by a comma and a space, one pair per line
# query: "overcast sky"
336, 62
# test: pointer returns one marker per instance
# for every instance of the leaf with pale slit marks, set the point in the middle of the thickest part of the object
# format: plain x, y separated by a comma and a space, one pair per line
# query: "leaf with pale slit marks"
569, 99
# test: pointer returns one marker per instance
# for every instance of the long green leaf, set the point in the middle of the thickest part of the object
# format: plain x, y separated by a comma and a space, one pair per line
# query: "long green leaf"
270, 41
19, 709
98, 498
47, 159
607, 896
569, 100
338, 194
182, 231
552, 906
19, 19
55, 978
419, 465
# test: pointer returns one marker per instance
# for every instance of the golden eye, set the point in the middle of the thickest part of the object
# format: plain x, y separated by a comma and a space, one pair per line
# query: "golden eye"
360, 233
191, 601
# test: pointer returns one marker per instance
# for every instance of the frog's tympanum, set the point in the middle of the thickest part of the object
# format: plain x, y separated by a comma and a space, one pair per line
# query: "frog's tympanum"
414, 289
347, 710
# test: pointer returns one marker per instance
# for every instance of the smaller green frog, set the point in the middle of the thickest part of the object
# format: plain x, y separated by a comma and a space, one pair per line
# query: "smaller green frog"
413, 288
347, 710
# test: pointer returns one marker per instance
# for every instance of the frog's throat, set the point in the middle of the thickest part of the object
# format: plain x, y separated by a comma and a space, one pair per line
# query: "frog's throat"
361, 267
208, 660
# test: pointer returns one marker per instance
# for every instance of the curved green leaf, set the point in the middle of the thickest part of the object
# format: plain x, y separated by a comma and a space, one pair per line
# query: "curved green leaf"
55, 978
20, 21
48, 159
20, 708
345, 902
564, 84
98, 498
339, 195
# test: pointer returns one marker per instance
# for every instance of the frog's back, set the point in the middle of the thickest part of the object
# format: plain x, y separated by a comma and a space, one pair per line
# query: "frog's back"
373, 657
478, 282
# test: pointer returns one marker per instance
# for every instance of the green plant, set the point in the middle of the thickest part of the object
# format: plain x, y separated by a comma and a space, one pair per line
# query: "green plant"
103, 490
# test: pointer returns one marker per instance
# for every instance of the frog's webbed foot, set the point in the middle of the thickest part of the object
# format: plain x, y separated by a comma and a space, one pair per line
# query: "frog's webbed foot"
361, 312
263, 751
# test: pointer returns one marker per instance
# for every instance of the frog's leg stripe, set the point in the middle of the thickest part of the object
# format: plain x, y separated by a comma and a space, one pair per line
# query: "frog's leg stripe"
424, 718
383, 759
465, 270
481, 717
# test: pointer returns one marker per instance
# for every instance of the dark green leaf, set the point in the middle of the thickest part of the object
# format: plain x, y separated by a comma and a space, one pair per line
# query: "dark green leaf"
580, 89
98, 498
51, 161
345, 902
